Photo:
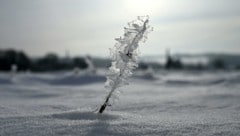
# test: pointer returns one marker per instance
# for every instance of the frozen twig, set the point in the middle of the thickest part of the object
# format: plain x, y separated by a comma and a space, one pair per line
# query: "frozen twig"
124, 56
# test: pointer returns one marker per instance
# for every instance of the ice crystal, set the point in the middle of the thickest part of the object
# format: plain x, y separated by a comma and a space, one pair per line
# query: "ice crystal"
125, 55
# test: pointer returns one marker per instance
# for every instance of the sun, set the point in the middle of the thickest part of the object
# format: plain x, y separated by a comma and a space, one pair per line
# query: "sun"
141, 7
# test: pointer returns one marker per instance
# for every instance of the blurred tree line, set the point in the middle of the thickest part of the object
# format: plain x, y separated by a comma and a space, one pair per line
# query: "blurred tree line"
52, 62
215, 62
49, 62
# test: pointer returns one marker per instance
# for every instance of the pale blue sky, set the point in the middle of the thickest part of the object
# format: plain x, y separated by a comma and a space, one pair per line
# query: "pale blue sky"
89, 27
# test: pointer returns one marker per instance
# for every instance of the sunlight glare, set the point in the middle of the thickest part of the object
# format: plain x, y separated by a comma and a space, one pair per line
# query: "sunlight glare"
142, 7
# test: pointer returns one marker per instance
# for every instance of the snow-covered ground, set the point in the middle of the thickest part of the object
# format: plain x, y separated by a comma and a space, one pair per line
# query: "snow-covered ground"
168, 104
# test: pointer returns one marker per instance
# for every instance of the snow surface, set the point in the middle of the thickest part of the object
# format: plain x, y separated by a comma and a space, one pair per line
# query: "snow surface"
166, 104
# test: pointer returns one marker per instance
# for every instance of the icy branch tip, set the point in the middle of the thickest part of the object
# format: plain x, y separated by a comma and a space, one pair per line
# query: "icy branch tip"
124, 56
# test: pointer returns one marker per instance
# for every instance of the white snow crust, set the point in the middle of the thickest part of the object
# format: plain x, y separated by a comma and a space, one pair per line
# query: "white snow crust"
167, 104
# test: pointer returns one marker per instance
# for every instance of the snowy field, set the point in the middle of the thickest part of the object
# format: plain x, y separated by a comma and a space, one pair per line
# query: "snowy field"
168, 104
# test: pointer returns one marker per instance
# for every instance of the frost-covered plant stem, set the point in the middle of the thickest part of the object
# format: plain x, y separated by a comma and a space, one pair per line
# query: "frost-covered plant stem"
124, 56
105, 104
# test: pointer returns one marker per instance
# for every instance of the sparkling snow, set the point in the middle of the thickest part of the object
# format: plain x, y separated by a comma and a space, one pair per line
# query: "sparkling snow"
168, 103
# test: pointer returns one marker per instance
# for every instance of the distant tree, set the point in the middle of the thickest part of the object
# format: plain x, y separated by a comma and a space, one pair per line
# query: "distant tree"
80, 62
169, 62
49, 62
142, 66
4, 65
177, 64
10, 57
173, 63
23, 62
218, 63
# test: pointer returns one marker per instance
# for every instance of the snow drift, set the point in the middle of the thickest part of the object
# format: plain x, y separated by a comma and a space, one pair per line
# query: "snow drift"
174, 103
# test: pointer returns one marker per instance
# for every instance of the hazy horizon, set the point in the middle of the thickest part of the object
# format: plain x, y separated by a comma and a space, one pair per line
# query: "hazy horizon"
82, 27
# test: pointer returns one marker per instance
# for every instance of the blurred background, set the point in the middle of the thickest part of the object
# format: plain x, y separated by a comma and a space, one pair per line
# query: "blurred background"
54, 58
54, 35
